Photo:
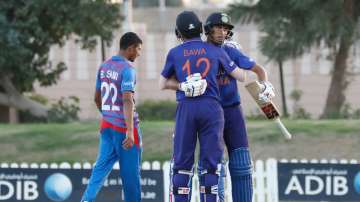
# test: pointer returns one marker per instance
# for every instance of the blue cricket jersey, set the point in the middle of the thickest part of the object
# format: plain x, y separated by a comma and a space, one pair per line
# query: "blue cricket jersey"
229, 93
115, 77
196, 56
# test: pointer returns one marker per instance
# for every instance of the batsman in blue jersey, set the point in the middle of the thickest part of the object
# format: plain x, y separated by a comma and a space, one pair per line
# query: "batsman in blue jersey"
199, 115
120, 138
217, 29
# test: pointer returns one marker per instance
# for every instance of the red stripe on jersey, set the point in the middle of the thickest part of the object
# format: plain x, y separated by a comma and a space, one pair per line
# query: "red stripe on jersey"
104, 124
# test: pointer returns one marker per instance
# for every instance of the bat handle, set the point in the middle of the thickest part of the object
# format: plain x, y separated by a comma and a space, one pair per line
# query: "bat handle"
284, 131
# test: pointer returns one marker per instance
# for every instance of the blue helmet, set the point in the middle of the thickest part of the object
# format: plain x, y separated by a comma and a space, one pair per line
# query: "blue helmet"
188, 25
218, 19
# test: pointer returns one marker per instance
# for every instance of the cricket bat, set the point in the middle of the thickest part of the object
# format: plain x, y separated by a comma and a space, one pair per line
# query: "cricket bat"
269, 108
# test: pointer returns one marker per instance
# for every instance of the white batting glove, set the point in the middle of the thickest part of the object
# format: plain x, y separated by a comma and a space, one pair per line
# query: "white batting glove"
193, 88
267, 92
199, 87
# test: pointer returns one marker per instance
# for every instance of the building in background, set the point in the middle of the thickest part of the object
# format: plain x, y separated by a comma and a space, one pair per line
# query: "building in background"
155, 24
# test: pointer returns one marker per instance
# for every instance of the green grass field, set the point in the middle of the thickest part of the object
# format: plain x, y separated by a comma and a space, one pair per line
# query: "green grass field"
79, 141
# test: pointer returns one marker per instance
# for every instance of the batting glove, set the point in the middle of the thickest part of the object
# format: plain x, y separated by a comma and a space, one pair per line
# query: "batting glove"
267, 92
193, 88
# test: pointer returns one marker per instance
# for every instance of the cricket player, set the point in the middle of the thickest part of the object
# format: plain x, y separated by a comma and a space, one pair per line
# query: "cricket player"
120, 137
199, 114
217, 29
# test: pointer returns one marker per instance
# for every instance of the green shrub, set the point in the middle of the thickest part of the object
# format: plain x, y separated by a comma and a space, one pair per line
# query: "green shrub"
157, 110
347, 112
299, 112
64, 110
27, 117
356, 114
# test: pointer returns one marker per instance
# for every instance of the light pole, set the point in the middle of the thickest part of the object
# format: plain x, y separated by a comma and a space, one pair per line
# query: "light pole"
127, 11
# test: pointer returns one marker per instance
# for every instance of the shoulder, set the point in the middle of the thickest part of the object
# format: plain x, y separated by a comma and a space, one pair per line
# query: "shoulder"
232, 50
129, 71
177, 48
233, 44
172, 52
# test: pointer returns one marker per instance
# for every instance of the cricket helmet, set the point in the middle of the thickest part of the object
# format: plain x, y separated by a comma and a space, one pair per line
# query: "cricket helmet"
218, 19
188, 25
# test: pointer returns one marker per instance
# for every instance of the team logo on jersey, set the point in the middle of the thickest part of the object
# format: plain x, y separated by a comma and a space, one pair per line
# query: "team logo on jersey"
191, 26
231, 63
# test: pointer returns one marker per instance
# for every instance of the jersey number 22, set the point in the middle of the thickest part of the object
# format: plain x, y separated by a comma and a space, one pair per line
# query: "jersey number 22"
109, 88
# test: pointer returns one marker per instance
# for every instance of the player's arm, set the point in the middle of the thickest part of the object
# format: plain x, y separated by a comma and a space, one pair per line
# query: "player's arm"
267, 89
167, 78
97, 99
170, 83
128, 103
193, 86
243, 61
238, 74
97, 95
127, 88
260, 72
230, 66
247, 63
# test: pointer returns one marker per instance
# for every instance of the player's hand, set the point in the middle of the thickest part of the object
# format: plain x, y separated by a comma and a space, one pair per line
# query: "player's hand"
267, 92
129, 140
193, 88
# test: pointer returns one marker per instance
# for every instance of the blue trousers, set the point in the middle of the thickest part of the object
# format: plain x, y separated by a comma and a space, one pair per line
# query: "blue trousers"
236, 140
110, 151
201, 119
198, 119
235, 134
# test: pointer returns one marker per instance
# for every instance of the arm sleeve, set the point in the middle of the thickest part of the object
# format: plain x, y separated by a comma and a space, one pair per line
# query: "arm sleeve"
128, 79
242, 60
169, 68
226, 62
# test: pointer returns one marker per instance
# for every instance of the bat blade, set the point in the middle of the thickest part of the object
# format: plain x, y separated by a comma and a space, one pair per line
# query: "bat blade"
269, 108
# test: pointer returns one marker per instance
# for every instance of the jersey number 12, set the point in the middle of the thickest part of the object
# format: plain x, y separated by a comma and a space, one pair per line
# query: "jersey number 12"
186, 67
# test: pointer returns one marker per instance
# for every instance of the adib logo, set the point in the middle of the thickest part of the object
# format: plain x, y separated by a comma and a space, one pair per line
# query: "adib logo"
357, 182
58, 187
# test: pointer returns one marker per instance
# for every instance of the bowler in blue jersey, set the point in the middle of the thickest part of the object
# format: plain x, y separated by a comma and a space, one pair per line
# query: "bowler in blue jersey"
120, 136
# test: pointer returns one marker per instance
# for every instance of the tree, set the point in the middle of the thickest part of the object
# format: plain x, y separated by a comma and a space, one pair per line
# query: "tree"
293, 27
27, 31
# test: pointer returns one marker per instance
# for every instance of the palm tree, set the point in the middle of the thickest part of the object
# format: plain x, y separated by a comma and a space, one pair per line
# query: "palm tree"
293, 27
